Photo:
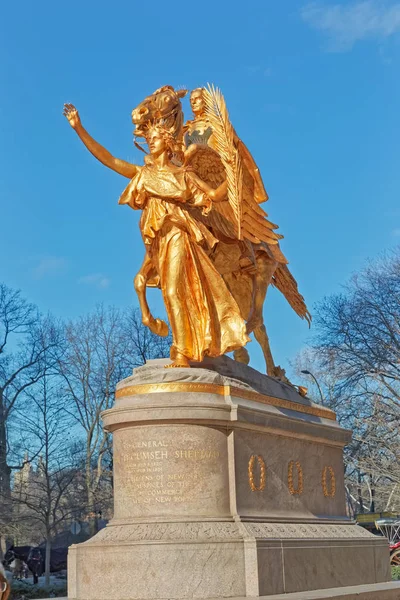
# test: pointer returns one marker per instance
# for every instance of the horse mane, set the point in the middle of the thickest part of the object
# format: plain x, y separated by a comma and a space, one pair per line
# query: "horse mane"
163, 88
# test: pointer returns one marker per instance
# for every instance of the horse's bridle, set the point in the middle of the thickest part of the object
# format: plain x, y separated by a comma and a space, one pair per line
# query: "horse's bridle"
173, 112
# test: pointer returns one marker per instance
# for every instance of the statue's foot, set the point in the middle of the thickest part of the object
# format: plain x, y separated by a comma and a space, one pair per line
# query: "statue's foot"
179, 362
157, 326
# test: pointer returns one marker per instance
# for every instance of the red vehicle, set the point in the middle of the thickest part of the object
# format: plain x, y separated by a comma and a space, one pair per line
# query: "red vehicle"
390, 528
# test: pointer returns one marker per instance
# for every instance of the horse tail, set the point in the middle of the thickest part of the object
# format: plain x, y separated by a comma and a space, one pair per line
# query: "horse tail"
284, 281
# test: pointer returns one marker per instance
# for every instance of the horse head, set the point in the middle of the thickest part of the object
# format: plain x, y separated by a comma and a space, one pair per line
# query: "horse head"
162, 107
9, 557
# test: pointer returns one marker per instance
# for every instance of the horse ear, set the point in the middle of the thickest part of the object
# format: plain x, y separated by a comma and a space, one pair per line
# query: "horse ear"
181, 93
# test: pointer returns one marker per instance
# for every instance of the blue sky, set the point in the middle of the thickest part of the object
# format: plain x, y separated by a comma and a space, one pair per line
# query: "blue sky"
312, 89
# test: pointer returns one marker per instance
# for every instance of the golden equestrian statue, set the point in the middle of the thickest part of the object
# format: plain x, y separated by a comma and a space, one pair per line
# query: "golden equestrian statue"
209, 246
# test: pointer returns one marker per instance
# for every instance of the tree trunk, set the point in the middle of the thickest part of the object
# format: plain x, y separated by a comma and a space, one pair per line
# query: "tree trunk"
3, 547
5, 488
47, 559
350, 505
359, 492
388, 503
90, 496
372, 506
5, 481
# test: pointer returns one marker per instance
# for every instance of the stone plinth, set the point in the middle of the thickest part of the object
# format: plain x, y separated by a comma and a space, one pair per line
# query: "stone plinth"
228, 484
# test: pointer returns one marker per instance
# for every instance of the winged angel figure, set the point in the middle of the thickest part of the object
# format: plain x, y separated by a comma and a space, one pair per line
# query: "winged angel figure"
248, 255
199, 211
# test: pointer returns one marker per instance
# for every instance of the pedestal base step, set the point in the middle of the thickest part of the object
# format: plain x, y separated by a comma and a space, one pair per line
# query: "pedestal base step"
375, 591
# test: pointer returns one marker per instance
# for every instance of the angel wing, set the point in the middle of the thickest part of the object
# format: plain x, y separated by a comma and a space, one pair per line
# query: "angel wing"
251, 173
208, 166
241, 217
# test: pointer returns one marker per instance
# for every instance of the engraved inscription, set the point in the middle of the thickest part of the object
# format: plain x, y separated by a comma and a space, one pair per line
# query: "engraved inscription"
165, 470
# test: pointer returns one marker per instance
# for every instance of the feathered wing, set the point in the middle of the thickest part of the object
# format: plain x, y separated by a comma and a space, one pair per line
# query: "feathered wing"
207, 164
250, 220
251, 173
255, 225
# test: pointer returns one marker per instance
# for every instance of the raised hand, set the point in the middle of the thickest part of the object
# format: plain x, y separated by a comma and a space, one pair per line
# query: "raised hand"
71, 113
104, 156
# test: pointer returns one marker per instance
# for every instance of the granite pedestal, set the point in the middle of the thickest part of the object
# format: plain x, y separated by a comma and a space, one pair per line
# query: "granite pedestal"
227, 484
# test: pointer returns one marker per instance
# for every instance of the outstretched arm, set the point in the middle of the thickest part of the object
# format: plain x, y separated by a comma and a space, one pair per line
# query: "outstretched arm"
120, 166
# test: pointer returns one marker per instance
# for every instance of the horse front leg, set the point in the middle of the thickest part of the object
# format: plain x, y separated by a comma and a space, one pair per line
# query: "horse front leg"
157, 326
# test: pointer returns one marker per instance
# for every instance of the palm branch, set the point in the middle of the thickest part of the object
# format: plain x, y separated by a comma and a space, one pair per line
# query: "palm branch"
224, 136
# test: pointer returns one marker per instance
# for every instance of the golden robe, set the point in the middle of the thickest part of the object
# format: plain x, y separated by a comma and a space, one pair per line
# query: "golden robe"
204, 317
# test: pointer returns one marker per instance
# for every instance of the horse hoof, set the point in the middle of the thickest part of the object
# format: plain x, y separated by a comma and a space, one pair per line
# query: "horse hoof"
279, 373
241, 355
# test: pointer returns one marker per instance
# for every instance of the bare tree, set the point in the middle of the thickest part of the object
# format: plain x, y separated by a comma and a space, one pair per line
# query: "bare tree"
29, 344
356, 354
47, 499
95, 359
361, 327
102, 348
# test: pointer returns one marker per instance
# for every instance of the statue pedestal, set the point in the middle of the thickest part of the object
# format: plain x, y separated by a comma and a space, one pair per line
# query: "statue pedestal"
227, 484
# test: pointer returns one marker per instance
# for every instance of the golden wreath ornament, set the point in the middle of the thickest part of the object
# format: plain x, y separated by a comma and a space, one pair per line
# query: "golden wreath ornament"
299, 490
250, 471
328, 493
